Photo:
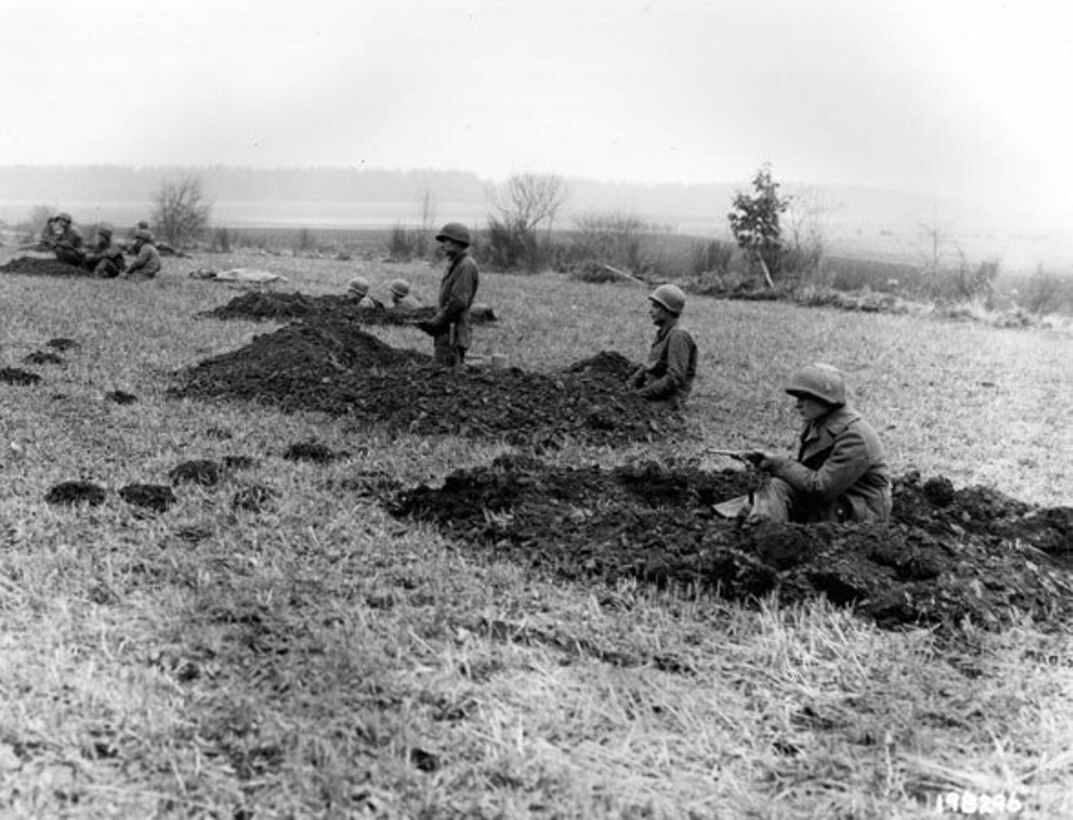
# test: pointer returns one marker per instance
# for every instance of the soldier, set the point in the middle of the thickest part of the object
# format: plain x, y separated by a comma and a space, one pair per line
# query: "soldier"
666, 378
106, 259
63, 239
450, 328
146, 262
401, 298
358, 291
840, 473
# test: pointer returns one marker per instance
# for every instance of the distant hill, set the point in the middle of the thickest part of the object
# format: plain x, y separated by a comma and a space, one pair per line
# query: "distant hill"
865, 221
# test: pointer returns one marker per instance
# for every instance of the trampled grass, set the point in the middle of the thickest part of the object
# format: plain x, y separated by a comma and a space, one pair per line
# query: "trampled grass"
320, 658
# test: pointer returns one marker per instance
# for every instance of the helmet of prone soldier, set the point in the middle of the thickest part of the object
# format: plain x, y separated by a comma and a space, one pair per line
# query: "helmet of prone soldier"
400, 288
669, 296
455, 231
818, 381
359, 286
105, 230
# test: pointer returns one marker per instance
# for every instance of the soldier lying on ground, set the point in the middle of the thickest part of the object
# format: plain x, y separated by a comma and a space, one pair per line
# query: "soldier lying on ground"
666, 378
840, 473
105, 260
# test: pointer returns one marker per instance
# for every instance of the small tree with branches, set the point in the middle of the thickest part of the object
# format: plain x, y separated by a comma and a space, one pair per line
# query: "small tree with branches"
525, 203
181, 210
754, 221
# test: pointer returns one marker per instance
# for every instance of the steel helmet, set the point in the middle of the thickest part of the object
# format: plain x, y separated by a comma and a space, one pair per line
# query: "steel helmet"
359, 285
104, 230
63, 216
400, 287
143, 235
670, 296
818, 381
456, 231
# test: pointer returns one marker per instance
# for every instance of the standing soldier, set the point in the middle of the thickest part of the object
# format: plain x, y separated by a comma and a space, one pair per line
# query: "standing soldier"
63, 239
106, 259
146, 262
666, 379
449, 328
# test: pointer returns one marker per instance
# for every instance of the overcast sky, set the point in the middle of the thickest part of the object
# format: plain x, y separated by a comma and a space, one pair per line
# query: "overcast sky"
967, 98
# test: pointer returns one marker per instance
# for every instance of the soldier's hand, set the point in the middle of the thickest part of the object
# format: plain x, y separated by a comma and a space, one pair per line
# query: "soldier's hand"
754, 457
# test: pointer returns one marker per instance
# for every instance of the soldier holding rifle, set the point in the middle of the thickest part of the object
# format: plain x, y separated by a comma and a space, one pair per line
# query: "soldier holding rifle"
450, 328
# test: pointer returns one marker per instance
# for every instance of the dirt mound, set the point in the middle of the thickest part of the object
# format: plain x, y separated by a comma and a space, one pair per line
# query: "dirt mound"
155, 497
200, 471
335, 367
32, 266
13, 375
60, 343
43, 357
312, 451
120, 397
331, 307
75, 492
982, 557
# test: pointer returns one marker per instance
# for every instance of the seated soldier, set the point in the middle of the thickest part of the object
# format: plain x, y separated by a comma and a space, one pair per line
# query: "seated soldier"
63, 239
106, 259
840, 473
358, 291
666, 379
401, 298
146, 262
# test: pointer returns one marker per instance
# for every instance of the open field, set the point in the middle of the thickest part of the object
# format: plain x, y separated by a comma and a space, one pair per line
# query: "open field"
319, 657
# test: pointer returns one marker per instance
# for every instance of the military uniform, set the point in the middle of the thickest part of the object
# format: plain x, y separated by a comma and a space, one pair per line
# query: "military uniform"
668, 374
146, 264
106, 261
64, 240
450, 327
840, 474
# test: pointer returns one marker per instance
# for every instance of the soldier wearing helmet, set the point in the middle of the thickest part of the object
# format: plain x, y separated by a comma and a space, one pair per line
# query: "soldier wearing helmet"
840, 473
668, 374
450, 327
146, 262
63, 239
106, 259
401, 298
358, 292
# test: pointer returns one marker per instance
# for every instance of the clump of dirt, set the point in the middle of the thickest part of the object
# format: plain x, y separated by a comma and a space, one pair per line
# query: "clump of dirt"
255, 498
75, 492
155, 497
43, 357
60, 343
239, 462
335, 367
33, 266
260, 306
12, 375
312, 451
202, 471
982, 557
120, 397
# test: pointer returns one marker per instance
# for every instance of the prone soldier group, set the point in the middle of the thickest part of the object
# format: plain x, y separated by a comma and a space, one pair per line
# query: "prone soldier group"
105, 259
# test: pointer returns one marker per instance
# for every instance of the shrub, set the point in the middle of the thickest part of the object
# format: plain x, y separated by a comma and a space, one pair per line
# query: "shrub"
406, 243
181, 210
710, 256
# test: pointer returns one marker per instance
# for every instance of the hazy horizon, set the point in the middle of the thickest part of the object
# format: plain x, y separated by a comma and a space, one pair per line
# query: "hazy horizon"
955, 99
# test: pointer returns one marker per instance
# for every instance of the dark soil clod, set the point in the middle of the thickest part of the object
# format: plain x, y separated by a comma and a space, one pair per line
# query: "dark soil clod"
254, 498
310, 451
12, 375
60, 343
980, 556
156, 497
75, 492
239, 462
203, 472
33, 266
43, 357
120, 397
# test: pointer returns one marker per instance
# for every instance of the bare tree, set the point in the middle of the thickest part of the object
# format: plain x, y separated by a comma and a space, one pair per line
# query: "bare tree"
181, 210
526, 201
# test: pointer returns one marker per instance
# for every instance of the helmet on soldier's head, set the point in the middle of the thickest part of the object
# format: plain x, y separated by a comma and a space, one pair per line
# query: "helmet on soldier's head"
669, 296
818, 381
104, 230
400, 287
359, 286
143, 235
455, 231
143, 224
63, 216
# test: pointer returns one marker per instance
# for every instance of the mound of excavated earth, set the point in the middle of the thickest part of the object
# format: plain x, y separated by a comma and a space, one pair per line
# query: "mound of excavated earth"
33, 266
949, 555
334, 367
256, 305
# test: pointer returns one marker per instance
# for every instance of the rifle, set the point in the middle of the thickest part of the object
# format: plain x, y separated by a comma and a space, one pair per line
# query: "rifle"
745, 456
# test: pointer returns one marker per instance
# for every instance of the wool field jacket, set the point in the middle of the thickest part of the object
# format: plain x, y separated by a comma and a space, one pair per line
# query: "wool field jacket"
671, 367
458, 289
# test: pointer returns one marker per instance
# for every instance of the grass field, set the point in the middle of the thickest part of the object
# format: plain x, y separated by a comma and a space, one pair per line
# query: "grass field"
320, 658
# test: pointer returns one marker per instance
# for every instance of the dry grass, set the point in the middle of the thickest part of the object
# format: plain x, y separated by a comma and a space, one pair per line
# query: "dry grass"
320, 658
